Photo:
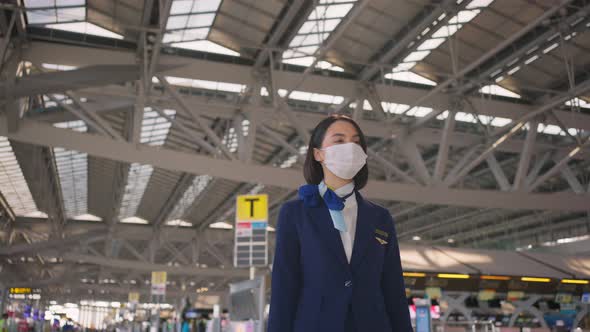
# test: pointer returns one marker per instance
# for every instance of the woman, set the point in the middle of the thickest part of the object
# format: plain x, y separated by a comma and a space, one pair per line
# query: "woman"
337, 266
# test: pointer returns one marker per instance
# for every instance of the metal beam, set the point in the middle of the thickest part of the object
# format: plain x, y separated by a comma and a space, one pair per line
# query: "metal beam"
498, 172
180, 188
281, 141
413, 30
269, 116
40, 52
486, 56
559, 165
47, 135
409, 149
511, 129
196, 117
525, 156
130, 265
527, 51
57, 82
52, 244
443, 148
293, 12
571, 179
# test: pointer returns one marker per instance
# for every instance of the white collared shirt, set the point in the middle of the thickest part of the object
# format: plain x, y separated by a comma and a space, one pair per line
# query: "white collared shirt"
349, 213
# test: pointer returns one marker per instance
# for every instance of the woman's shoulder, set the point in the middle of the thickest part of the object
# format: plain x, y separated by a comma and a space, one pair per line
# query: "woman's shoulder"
379, 209
292, 205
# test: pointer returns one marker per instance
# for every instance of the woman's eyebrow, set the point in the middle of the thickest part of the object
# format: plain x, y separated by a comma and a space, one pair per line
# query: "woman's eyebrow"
342, 135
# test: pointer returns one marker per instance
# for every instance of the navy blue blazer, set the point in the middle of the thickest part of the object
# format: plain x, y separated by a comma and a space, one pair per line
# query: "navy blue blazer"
313, 284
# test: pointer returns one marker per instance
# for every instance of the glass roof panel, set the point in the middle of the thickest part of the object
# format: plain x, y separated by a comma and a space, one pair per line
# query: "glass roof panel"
205, 46
321, 22
438, 38
191, 193
72, 168
203, 84
577, 102
497, 90
86, 28
154, 131
68, 15
12, 181
189, 24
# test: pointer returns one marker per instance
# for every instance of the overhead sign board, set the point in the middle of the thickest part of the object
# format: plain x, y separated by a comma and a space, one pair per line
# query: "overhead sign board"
251, 236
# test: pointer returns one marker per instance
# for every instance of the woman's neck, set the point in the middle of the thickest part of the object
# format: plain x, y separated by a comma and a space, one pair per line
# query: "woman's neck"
335, 182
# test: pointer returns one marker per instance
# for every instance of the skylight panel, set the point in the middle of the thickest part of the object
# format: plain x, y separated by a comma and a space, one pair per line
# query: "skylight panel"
431, 44
137, 181
328, 66
57, 67
221, 225
154, 131
134, 220
330, 11
67, 15
206, 46
322, 27
179, 222
316, 97
189, 25
408, 76
321, 22
437, 39
230, 139
72, 169
416, 56
447, 31
366, 105
12, 181
464, 16
155, 128
87, 217
479, 4
577, 102
419, 111
86, 28
189, 196
550, 129
203, 84
309, 39
497, 90
394, 107
46, 12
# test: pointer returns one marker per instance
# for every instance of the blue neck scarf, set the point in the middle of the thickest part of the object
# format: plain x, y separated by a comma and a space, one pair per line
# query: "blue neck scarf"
311, 196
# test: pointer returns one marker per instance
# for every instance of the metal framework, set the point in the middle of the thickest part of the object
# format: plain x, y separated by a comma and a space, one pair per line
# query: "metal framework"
132, 149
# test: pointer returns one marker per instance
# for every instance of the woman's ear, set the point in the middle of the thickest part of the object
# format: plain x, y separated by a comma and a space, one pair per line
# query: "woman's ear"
318, 155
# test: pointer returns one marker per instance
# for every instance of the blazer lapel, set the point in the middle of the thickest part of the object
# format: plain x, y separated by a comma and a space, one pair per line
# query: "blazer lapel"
322, 221
364, 231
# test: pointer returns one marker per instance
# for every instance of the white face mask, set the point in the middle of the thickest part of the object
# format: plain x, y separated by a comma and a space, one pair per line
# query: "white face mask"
345, 160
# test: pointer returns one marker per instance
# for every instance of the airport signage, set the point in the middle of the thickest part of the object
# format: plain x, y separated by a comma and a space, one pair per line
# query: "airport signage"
251, 235
159, 282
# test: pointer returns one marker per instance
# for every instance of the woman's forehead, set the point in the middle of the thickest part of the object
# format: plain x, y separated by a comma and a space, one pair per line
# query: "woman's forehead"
342, 127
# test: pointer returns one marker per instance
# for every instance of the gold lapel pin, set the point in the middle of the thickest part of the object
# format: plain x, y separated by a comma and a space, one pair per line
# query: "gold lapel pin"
380, 240
382, 233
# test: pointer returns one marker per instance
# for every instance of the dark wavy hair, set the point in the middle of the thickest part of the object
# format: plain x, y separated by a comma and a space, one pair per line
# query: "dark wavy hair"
312, 169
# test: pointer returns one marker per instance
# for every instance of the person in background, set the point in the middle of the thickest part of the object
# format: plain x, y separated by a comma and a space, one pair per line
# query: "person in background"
4, 323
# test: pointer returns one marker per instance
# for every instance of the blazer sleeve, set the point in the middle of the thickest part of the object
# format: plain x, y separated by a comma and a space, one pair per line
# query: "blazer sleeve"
286, 274
392, 284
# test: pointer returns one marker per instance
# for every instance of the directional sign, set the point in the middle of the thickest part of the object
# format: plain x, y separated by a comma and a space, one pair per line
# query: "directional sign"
251, 247
133, 297
252, 208
159, 283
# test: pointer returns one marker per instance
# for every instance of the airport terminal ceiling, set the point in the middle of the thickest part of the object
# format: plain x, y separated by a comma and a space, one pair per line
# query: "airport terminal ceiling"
128, 127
